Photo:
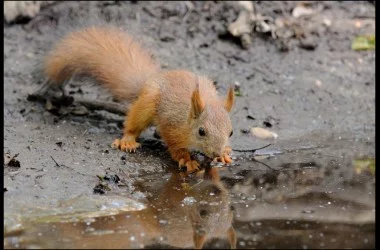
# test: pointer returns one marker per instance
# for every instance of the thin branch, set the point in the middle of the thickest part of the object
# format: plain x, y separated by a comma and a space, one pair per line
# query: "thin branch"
55, 161
111, 107
251, 150
265, 165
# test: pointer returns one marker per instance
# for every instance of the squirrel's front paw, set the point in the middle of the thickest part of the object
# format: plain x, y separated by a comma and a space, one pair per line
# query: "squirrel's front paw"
125, 145
191, 165
225, 158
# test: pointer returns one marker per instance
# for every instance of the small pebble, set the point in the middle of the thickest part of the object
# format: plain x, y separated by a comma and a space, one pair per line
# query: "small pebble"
327, 22
318, 83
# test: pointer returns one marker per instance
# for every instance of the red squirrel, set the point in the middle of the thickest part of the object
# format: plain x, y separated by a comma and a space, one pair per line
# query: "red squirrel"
184, 107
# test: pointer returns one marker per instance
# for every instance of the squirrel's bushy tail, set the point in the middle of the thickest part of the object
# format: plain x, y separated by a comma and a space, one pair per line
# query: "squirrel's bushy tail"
109, 55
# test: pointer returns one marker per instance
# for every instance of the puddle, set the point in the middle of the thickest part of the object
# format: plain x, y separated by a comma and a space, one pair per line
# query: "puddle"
297, 200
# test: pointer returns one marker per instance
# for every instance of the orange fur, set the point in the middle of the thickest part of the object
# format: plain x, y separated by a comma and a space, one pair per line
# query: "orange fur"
231, 235
197, 104
178, 102
110, 56
199, 240
230, 99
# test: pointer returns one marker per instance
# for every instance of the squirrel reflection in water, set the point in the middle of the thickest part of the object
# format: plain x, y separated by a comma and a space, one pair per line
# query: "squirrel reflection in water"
206, 215
177, 215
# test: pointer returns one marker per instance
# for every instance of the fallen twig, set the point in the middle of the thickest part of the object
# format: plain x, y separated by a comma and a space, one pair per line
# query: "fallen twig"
55, 162
90, 104
107, 106
266, 165
250, 150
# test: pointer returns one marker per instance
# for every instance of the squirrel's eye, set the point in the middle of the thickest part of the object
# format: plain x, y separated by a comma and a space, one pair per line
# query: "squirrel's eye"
202, 131
232, 132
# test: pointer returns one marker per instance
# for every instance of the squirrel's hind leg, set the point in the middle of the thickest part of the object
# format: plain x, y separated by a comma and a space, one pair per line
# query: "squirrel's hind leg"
139, 117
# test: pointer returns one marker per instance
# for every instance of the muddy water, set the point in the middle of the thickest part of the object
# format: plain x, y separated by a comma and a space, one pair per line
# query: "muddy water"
295, 200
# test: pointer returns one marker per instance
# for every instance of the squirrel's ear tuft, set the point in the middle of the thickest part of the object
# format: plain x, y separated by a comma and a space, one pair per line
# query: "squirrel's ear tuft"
230, 99
197, 104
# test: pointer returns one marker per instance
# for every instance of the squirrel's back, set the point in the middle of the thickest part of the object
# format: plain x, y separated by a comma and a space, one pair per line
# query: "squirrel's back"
109, 55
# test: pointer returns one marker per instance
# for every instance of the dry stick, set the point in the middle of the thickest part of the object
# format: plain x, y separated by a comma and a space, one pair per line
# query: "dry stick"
55, 161
250, 150
40, 95
107, 106
266, 165
90, 104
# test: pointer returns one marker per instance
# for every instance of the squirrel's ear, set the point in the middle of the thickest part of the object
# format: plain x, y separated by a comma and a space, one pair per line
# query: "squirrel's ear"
230, 99
197, 104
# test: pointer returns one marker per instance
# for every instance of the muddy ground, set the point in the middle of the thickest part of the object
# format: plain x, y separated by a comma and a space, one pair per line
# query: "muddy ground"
302, 191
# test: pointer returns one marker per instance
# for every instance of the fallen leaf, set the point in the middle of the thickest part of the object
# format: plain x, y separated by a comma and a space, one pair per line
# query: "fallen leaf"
101, 188
237, 88
248, 5
279, 22
185, 186
264, 24
241, 25
237, 93
363, 43
301, 10
364, 164
16, 9
11, 161
80, 110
